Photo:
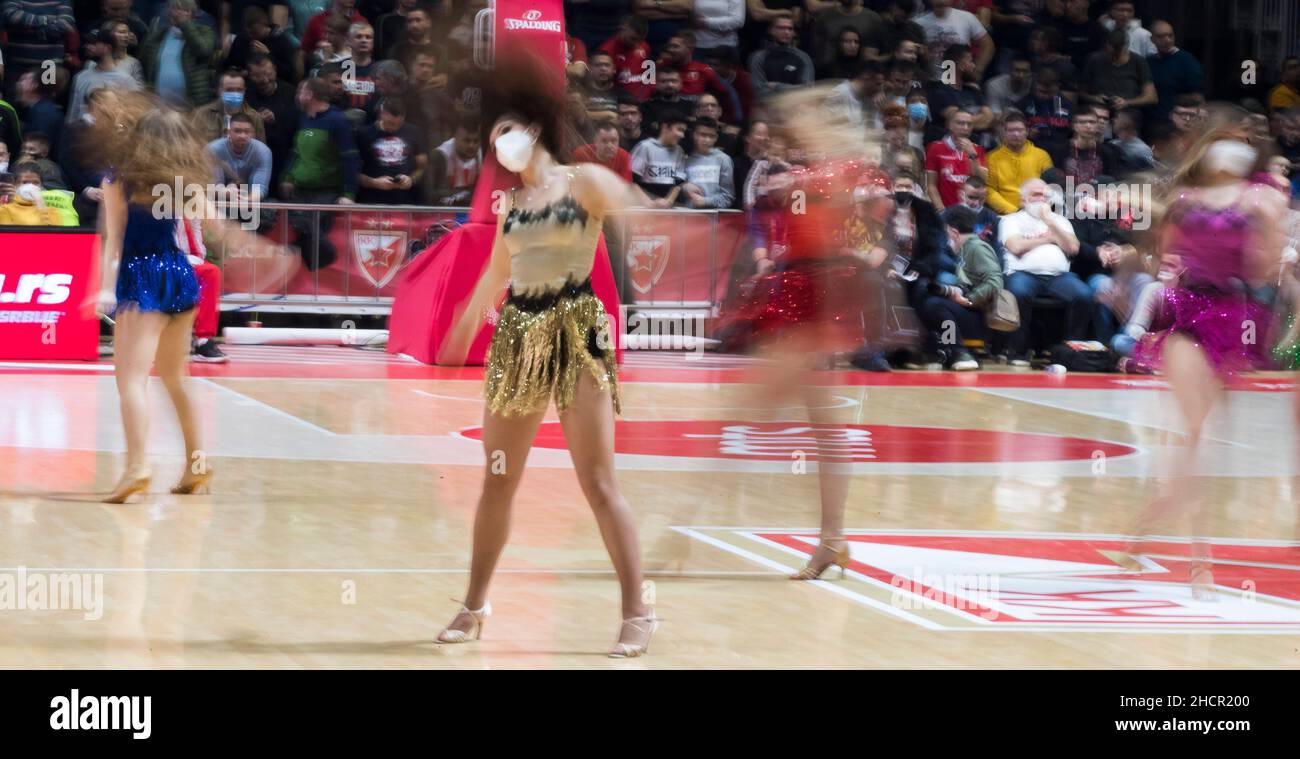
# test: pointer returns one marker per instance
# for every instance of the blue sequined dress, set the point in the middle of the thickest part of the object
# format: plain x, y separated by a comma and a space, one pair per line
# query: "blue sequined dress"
154, 274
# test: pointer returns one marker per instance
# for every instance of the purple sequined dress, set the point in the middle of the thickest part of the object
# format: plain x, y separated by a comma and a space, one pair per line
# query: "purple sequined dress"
1211, 304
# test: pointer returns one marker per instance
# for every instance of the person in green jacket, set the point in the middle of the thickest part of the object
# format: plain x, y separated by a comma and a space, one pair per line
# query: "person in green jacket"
954, 313
178, 57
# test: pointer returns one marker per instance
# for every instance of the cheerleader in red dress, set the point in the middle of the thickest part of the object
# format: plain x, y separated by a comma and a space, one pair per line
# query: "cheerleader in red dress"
811, 306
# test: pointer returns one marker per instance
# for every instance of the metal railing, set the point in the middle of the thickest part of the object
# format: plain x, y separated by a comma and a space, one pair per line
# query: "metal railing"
661, 258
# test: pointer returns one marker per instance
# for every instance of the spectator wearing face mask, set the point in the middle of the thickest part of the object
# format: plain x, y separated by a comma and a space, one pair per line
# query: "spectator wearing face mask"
26, 207
1013, 163
1039, 244
212, 121
974, 197
954, 313
36, 151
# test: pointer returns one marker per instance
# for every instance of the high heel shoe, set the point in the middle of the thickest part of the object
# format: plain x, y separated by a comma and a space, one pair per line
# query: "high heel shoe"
643, 625
477, 616
127, 487
191, 486
839, 558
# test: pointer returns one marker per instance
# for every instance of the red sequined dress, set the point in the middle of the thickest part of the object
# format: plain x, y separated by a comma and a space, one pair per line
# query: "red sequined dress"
814, 299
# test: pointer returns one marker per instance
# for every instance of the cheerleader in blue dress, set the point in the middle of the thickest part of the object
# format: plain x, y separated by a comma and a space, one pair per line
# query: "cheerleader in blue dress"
148, 284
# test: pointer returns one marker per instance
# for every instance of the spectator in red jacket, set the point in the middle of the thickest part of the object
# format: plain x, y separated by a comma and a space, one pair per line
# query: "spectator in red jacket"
605, 150
697, 77
631, 56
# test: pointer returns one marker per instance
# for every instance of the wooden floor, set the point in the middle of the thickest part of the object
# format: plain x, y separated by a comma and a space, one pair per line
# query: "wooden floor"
985, 512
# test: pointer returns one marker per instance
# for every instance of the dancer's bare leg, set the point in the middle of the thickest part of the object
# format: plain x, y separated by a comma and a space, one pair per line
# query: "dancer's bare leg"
135, 346
833, 465
173, 365
1196, 388
506, 441
589, 431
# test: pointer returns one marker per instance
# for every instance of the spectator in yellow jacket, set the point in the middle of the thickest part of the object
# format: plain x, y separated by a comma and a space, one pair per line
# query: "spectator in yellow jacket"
1012, 164
26, 207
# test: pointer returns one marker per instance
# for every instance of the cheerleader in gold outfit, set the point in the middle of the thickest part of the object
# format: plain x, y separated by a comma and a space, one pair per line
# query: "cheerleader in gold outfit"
552, 342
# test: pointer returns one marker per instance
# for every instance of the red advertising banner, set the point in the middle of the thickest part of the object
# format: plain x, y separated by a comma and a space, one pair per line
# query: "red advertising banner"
667, 257
44, 279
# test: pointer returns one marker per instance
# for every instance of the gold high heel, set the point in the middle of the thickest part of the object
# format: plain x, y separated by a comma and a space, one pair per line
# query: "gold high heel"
200, 482
127, 488
839, 558
449, 635
645, 625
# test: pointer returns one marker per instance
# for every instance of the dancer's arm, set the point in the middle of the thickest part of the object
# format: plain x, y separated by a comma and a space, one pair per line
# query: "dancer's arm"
467, 323
112, 229
1264, 257
600, 190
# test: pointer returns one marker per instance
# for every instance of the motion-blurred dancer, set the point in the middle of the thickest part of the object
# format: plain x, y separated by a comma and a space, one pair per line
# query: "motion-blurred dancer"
1225, 230
552, 342
147, 282
812, 305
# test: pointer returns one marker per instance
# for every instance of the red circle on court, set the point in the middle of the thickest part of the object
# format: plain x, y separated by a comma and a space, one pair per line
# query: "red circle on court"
778, 441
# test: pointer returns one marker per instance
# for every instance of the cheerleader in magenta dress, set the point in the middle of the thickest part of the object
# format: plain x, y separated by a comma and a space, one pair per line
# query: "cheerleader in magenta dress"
1225, 230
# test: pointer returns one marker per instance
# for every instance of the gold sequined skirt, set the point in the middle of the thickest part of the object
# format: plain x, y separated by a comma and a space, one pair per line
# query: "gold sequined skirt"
541, 347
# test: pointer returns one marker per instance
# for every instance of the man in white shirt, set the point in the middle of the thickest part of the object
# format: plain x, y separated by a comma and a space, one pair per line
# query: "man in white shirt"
945, 26
860, 99
1039, 243
1122, 15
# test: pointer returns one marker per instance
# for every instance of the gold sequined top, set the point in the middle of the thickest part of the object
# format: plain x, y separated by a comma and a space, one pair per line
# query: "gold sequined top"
550, 246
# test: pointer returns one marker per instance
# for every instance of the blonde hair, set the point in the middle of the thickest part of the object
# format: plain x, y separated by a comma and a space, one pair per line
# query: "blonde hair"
147, 143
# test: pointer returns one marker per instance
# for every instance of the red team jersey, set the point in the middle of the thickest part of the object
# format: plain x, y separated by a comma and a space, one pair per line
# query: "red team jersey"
944, 159
621, 165
629, 62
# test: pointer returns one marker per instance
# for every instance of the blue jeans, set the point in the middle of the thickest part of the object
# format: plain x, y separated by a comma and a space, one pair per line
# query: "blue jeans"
1104, 320
1066, 288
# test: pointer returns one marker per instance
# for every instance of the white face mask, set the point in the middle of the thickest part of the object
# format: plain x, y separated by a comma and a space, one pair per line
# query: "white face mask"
515, 149
29, 192
1231, 156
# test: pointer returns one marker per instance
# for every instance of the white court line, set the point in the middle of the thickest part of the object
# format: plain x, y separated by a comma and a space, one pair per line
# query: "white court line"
246, 400
852, 595
1013, 534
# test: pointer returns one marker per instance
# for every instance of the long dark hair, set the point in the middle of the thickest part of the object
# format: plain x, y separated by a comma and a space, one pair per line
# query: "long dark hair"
518, 89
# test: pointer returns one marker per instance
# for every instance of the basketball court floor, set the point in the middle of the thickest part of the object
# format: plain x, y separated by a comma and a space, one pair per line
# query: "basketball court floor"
985, 514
